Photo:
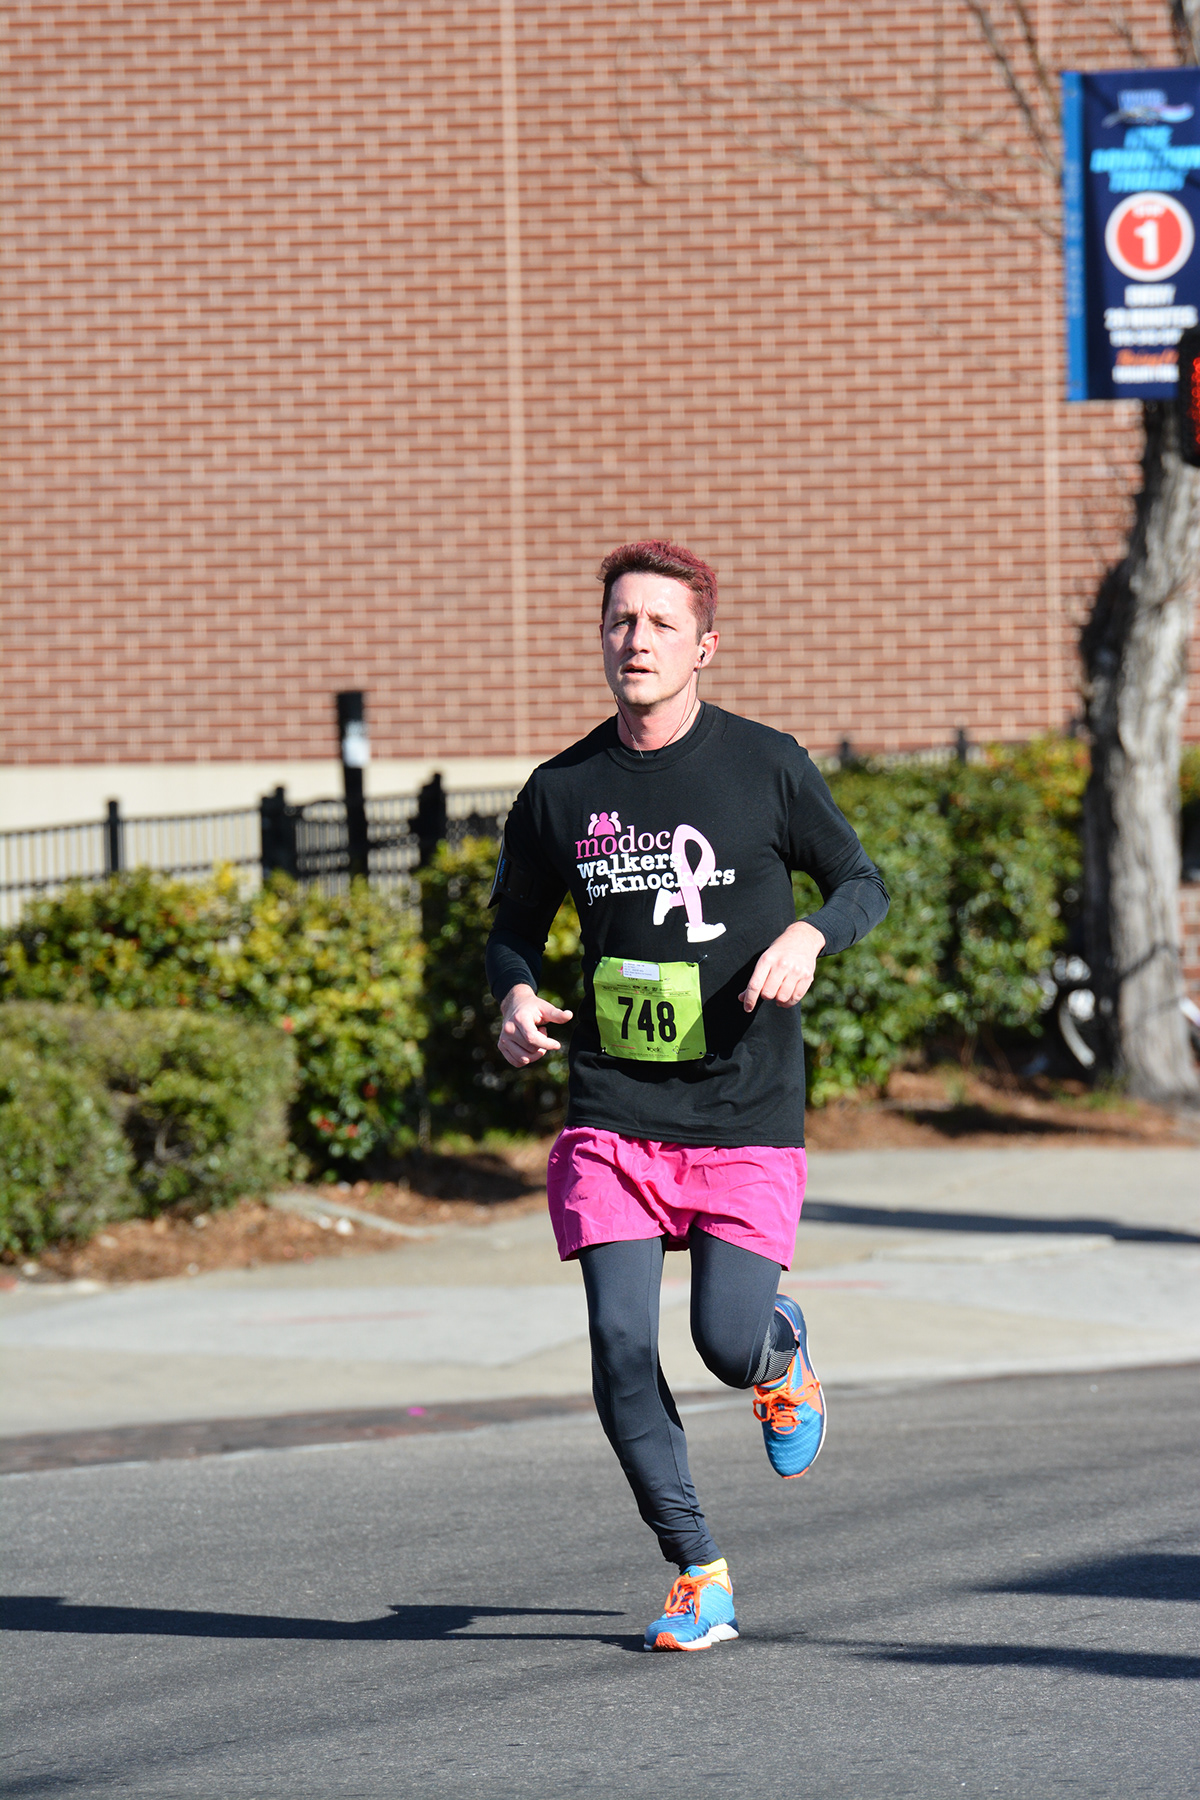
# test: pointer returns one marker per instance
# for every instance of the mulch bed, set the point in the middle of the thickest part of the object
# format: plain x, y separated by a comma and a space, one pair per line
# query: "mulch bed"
923, 1109
476, 1189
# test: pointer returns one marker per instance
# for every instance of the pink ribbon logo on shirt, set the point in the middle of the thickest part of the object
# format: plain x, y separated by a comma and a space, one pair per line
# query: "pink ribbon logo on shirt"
690, 880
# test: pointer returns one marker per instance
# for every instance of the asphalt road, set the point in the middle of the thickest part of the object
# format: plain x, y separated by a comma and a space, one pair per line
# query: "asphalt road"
984, 1588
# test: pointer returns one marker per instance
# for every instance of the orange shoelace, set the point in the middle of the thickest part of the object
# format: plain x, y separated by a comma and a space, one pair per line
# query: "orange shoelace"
684, 1596
780, 1407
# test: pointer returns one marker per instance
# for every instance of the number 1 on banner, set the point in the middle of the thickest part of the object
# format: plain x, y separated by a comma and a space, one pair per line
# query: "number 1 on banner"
1148, 232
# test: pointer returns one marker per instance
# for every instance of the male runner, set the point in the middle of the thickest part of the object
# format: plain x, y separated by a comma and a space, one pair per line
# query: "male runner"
675, 827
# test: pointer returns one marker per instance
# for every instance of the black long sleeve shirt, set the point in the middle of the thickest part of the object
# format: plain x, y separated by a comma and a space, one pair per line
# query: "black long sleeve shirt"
748, 806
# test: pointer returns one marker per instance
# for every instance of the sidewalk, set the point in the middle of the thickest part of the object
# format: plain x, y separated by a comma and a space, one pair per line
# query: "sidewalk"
910, 1265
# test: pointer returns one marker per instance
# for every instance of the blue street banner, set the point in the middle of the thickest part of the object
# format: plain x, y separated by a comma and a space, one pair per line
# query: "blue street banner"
1131, 213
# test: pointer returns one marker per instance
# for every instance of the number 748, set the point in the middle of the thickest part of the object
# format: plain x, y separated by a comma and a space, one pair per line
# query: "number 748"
646, 1018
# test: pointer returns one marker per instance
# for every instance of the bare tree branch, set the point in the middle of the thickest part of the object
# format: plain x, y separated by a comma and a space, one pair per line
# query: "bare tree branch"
1013, 83
968, 198
1041, 73
1118, 23
972, 202
624, 127
838, 100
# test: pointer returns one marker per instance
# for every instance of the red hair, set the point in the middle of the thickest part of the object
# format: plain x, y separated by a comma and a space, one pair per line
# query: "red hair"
658, 557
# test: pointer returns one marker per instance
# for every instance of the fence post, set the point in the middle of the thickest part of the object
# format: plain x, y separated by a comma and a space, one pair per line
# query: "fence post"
430, 821
277, 824
114, 840
356, 754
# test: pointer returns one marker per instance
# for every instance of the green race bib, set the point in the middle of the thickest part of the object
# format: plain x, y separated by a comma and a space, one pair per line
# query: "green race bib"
649, 1011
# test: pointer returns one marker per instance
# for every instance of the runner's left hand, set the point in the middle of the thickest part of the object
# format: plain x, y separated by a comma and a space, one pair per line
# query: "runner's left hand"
784, 972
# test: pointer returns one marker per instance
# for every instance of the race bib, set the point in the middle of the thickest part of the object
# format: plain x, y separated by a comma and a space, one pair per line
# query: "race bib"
648, 1011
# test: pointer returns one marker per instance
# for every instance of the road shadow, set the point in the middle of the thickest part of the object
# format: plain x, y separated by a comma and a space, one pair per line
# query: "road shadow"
1142, 1575
403, 1624
836, 1212
1129, 1665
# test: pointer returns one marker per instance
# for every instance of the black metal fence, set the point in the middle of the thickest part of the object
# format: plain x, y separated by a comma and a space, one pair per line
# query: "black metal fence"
310, 842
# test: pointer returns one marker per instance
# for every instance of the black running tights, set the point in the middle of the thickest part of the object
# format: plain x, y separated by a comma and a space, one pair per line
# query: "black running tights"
737, 1332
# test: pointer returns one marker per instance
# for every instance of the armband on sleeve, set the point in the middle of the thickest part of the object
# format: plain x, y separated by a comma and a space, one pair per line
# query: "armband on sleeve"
523, 886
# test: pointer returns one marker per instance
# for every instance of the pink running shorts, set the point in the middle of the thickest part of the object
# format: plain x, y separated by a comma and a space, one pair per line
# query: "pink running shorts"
608, 1189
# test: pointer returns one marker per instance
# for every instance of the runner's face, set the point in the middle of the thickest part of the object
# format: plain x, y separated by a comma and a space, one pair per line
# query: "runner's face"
650, 642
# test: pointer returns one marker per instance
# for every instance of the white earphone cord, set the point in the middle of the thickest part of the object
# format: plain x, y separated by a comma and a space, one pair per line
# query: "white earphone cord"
686, 715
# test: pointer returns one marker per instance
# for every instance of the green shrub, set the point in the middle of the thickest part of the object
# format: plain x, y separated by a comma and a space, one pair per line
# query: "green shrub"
1010, 862
134, 941
977, 860
341, 975
1054, 770
868, 1004
201, 1102
470, 1087
64, 1168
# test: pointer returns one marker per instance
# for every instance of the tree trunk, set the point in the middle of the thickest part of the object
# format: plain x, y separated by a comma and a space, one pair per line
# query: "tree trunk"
1135, 661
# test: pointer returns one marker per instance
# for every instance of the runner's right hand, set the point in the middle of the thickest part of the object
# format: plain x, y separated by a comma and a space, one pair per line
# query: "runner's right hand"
522, 1040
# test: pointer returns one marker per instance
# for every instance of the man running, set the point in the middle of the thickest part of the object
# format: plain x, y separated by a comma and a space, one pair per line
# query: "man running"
675, 828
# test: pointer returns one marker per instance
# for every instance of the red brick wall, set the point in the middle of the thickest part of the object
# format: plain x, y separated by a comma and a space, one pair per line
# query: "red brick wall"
1189, 928
259, 443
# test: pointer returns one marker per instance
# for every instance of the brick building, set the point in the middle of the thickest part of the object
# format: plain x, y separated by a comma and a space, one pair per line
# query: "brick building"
346, 335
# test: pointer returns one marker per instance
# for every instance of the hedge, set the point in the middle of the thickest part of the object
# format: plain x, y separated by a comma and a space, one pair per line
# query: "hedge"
469, 1085
982, 865
868, 1004
392, 1026
64, 1166
341, 976
1189, 776
107, 1114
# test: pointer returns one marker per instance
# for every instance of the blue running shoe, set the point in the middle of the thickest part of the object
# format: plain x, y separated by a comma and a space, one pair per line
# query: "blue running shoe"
699, 1611
792, 1409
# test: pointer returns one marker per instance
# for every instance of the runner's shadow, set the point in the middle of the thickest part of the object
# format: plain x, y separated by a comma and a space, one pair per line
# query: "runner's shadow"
405, 1624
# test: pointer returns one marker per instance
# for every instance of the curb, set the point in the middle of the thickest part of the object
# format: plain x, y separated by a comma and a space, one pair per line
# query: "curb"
308, 1206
